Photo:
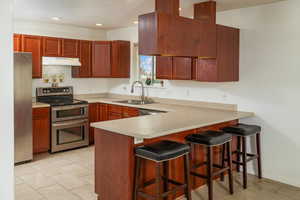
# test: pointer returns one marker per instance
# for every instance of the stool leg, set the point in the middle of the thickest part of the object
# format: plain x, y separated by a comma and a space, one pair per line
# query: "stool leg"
210, 173
229, 156
166, 174
244, 149
187, 177
158, 181
259, 155
137, 177
223, 160
238, 169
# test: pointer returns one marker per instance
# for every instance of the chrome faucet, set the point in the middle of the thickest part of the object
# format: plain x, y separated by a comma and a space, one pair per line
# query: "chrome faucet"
143, 90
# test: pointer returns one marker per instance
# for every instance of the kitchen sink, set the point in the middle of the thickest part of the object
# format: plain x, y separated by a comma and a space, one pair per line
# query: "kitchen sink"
135, 102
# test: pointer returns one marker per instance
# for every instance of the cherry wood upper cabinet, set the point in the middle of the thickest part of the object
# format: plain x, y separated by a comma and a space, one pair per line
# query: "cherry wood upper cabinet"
85, 56
52, 46
70, 48
41, 129
173, 68
182, 68
165, 34
101, 66
120, 59
33, 44
164, 67
17, 42
225, 68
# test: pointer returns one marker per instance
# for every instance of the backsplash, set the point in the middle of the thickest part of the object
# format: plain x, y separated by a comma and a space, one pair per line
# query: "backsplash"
81, 85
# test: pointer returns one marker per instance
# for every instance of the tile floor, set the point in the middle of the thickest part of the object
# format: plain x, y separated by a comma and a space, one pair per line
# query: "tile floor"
70, 176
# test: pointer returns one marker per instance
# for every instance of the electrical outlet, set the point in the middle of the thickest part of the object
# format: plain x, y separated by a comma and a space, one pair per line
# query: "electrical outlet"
188, 92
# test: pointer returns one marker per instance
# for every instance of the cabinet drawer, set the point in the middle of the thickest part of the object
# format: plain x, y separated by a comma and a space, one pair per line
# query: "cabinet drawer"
40, 113
113, 116
115, 109
130, 112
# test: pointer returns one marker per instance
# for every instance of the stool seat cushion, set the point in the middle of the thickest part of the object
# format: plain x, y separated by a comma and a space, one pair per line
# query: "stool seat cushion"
209, 138
243, 129
163, 150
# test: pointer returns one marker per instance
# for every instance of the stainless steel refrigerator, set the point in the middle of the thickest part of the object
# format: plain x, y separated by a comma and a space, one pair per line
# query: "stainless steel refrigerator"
23, 107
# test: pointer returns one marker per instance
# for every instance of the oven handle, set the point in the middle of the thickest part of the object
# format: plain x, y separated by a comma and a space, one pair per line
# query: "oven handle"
69, 107
69, 123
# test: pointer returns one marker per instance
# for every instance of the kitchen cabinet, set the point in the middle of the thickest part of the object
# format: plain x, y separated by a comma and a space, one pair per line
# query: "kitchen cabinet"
93, 117
115, 112
41, 129
70, 48
130, 112
85, 56
52, 46
164, 67
120, 59
182, 68
17, 42
33, 44
161, 33
173, 68
225, 67
101, 66
103, 112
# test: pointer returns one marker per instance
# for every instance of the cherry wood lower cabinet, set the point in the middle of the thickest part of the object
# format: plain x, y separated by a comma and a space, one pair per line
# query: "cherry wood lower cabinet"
93, 117
41, 129
117, 152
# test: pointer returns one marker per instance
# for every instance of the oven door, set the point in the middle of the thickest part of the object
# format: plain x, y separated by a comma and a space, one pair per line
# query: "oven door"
63, 113
69, 135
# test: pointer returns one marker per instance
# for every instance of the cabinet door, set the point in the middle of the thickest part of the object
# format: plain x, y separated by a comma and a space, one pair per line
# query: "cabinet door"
120, 61
103, 112
205, 70
33, 44
17, 42
51, 46
101, 66
41, 130
164, 67
70, 48
130, 112
93, 117
182, 68
85, 69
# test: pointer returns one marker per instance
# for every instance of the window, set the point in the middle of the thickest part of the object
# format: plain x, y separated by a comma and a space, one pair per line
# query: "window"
146, 68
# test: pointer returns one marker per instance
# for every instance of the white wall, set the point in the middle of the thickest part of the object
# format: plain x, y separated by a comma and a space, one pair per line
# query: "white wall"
81, 85
269, 81
6, 103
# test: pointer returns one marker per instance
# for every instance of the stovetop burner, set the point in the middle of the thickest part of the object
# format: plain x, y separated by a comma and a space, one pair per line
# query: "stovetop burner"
60, 96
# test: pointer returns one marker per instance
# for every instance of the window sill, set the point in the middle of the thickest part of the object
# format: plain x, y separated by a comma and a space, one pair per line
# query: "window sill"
155, 86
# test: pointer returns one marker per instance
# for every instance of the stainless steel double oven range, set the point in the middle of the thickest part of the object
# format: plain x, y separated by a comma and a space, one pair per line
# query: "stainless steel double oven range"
69, 118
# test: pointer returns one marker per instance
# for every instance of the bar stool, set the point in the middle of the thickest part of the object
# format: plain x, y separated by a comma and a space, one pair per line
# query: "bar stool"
242, 131
161, 153
210, 139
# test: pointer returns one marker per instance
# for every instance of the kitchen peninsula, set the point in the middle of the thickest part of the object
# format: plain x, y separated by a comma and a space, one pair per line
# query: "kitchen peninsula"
115, 141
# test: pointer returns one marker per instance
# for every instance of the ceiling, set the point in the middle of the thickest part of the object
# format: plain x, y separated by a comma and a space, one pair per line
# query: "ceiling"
110, 13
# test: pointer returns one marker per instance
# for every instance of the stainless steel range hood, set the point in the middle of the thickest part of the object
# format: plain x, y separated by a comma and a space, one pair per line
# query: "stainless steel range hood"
60, 61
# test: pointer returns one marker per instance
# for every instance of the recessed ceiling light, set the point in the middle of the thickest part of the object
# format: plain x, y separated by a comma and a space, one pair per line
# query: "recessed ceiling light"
136, 22
99, 24
56, 18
